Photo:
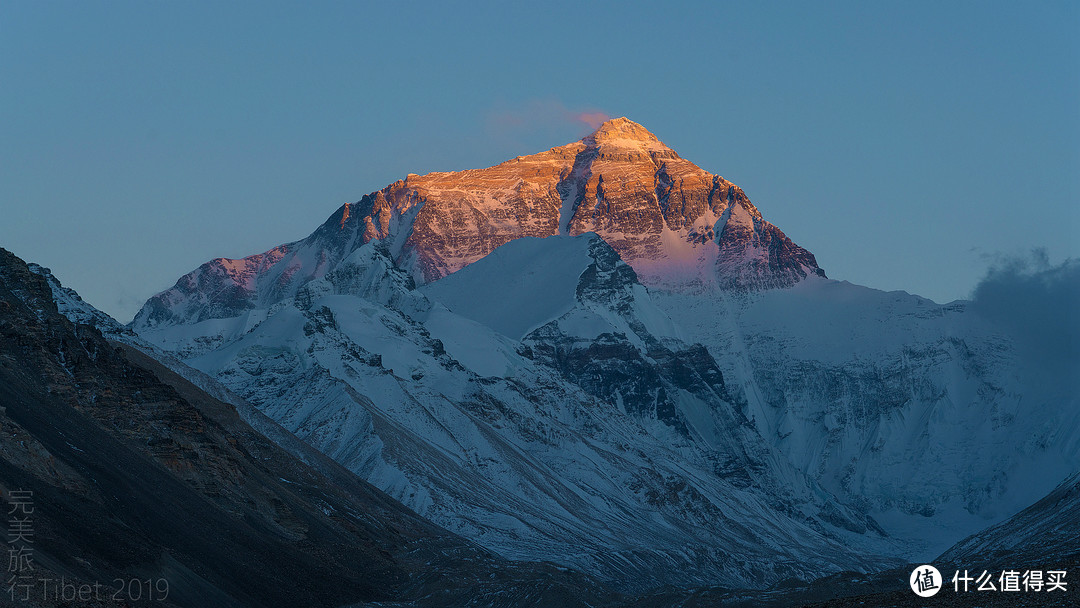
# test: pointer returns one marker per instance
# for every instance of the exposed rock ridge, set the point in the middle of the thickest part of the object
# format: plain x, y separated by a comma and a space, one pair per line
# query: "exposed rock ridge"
676, 224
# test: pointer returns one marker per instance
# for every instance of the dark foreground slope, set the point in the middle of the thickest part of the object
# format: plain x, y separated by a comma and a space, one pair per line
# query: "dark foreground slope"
1043, 537
1045, 534
136, 474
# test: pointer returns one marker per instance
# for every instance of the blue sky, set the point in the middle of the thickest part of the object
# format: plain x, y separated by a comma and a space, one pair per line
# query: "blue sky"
906, 144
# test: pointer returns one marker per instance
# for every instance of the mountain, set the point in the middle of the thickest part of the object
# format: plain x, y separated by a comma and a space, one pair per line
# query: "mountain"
1043, 537
132, 472
926, 415
594, 353
671, 221
501, 435
1046, 534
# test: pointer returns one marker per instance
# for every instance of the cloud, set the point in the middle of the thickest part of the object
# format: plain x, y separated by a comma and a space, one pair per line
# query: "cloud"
593, 119
1038, 303
542, 117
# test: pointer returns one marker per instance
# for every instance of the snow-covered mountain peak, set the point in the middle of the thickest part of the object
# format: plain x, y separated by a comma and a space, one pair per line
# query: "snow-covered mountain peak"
678, 226
623, 132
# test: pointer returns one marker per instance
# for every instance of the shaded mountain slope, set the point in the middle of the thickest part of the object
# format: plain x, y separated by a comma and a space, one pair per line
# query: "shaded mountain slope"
505, 438
1045, 534
925, 414
136, 473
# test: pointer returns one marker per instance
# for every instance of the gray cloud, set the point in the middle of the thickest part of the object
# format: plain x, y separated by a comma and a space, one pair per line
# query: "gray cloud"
1038, 303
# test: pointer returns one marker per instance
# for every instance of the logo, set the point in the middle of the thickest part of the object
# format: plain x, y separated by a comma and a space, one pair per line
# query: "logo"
925, 581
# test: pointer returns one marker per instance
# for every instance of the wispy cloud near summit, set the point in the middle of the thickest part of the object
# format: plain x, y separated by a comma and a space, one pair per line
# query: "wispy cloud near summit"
540, 117
593, 119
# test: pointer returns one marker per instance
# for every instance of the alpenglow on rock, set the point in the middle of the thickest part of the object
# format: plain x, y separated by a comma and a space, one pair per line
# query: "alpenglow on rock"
674, 223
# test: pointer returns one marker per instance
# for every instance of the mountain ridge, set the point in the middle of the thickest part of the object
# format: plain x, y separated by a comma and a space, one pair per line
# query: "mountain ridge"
456, 310
136, 472
559, 466
674, 223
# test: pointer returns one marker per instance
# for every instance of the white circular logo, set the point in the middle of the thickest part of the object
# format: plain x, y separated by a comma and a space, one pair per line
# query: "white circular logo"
925, 581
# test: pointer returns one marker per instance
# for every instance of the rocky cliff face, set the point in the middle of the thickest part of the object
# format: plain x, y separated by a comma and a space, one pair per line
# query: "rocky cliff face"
674, 223
665, 216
